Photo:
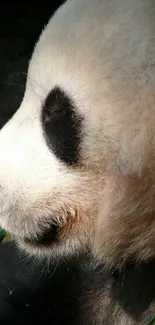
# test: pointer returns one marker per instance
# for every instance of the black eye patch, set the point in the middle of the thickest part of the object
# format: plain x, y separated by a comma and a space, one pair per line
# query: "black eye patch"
61, 126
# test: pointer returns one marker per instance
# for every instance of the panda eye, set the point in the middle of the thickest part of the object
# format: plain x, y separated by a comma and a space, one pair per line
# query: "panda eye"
61, 126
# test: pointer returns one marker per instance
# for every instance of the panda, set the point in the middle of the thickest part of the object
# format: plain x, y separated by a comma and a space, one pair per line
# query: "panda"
77, 174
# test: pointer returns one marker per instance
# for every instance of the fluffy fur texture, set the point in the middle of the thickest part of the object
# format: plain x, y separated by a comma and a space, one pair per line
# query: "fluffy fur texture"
100, 54
73, 292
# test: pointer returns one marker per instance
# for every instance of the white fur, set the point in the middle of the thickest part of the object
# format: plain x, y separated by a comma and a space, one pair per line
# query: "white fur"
102, 53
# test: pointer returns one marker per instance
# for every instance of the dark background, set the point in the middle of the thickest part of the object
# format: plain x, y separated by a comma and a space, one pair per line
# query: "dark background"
20, 26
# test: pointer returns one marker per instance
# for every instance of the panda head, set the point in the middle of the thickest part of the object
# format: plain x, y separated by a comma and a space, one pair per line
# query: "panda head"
76, 160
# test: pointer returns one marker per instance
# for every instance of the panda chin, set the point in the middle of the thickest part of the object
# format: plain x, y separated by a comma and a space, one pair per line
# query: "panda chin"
47, 238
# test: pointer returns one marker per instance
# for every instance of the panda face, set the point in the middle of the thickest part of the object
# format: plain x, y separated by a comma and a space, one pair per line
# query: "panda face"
47, 184
44, 177
77, 158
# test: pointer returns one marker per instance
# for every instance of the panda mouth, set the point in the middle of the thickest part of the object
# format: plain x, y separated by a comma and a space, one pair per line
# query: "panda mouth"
48, 237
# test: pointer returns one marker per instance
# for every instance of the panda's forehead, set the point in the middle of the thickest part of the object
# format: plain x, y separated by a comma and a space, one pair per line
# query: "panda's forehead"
67, 59
49, 71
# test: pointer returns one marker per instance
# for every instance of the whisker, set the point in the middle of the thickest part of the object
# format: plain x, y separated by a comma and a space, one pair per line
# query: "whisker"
26, 74
38, 68
37, 95
55, 268
23, 86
